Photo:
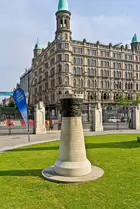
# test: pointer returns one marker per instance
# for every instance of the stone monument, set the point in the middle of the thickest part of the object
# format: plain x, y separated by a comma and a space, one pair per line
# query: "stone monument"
39, 119
96, 120
72, 165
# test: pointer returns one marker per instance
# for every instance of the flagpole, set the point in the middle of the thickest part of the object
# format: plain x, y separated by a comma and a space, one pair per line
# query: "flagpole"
29, 140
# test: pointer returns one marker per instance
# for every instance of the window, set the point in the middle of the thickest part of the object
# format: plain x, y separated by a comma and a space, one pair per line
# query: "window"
40, 78
88, 83
40, 89
59, 46
67, 81
52, 83
46, 74
46, 65
66, 57
66, 68
91, 62
61, 23
59, 80
74, 71
76, 61
52, 61
81, 83
78, 50
91, 52
35, 73
46, 85
66, 46
59, 69
74, 82
35, 81
66, 36
59, 57
52, 72
65, 23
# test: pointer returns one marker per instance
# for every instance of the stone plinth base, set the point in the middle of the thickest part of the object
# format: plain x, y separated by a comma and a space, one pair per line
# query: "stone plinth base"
50, 175
72, 169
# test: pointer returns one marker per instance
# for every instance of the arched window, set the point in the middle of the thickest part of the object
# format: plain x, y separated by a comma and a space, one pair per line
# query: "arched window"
78, 82
66, 68
59, 80
88, 71
78, 71
88, 62
59, 68
104, 96
95, 84
88, 83
126, 75
101, 73
114, 65
102, 84
67, 81
74, 71
125, 85
74, 82
81, 83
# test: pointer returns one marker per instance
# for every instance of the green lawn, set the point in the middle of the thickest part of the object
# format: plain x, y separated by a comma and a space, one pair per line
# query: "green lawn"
21, 185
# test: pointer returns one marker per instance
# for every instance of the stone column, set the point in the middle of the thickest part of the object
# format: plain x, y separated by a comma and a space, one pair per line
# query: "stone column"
96, 123
135, 117
39, 119
72, 159
72, 165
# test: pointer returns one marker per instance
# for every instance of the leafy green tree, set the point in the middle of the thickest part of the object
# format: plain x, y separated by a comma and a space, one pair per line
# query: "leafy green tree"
11, 104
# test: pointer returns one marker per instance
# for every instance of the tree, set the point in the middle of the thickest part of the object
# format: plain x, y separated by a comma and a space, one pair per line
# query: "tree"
11, 104
126, 102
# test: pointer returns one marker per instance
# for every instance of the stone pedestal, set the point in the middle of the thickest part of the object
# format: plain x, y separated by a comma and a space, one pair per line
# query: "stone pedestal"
72, 165
39, 119
135, 117
96, 121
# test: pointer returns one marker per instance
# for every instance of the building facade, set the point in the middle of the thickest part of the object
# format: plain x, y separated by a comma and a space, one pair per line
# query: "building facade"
101, 72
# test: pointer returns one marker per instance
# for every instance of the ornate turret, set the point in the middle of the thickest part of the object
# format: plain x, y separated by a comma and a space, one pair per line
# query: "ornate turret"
63, 31
135, 45
134, 39
37, 49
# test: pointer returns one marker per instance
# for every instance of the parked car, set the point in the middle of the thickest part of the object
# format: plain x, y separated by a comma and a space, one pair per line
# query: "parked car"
114, 120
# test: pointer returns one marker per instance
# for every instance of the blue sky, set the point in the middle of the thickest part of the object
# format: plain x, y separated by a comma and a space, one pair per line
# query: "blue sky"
22, 21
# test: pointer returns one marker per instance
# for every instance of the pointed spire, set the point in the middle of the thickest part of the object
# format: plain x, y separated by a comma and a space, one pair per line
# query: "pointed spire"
134, 39
63, 5
37, 46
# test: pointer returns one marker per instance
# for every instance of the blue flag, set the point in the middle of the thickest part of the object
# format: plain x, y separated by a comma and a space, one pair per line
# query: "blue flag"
20, 100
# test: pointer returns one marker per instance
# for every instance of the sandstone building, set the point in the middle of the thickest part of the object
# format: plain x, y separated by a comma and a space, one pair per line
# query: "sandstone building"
101, 72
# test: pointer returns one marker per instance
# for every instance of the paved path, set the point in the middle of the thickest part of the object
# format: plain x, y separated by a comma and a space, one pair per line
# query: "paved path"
11, 142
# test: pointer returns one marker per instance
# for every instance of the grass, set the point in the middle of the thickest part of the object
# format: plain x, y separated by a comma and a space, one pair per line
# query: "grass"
21, 185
